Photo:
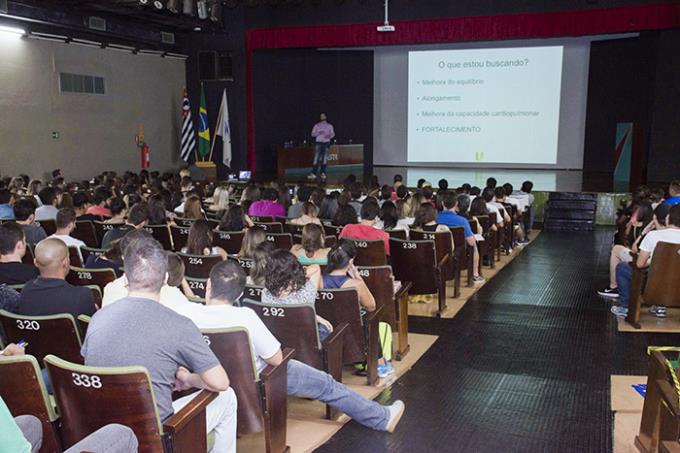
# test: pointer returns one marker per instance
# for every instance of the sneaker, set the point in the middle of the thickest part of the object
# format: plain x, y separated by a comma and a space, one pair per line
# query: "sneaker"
385, 369
478, 280
609, 292
311, 176
323, 176
396, 411
619, 311
659, 311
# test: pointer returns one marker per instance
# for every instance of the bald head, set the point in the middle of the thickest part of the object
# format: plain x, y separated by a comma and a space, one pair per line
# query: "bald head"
51, 258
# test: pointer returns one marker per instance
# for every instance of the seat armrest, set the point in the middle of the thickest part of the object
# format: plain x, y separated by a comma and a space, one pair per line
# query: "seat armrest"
184, 416
371, 315
332, 351
669, 396
443, 261
405, 287
271, 370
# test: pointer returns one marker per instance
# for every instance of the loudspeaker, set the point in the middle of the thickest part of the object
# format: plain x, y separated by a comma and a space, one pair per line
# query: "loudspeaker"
215, 66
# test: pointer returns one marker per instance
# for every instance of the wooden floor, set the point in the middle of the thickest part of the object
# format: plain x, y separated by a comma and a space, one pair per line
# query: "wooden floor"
524, 367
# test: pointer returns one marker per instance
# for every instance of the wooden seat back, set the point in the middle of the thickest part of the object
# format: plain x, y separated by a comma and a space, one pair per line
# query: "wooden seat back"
74, 256
397, 234
462, 252
161, 233
262, 404
49, 225
198, 286
415, 262
443, 246
332, 230
281, 240
270, 227
87, 251
370, 253
101, 228
184, 222
23, 390
89, 398
262, 218
253, 292
85, 231
663, 286
342, 305
81, 276
54, 334
198, 266
180, 235
380, 283
294, 326
230, 241
293, 228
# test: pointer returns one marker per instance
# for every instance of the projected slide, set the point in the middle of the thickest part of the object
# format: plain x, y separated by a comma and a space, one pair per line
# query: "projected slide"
484, 105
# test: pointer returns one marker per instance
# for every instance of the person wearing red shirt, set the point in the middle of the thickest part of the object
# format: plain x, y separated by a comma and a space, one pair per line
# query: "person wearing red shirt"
365, 230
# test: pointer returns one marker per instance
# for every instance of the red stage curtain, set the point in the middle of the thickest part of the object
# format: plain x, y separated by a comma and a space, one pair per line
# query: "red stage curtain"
457, 29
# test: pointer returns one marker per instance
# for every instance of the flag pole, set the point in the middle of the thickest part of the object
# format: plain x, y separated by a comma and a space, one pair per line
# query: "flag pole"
217, 125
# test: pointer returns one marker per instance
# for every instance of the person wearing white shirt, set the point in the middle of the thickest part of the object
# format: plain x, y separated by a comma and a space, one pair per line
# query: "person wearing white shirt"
624, 271
66, 223
226, 284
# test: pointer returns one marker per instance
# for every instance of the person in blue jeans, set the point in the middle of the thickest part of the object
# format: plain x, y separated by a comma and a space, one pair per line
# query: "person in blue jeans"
225, 285
323, 133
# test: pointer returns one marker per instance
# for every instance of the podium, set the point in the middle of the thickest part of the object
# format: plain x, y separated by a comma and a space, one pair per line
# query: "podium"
300, 159
208, 168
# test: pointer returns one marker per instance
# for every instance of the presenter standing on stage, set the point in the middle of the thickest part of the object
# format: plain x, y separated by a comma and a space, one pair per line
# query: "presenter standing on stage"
323, 133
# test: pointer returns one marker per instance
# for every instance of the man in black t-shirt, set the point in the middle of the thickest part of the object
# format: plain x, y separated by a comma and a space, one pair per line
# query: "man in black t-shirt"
137, 218
12, 250
50, 294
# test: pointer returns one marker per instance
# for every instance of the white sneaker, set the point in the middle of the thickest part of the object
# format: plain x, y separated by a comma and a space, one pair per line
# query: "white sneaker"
311, 176
396, 411
619, 311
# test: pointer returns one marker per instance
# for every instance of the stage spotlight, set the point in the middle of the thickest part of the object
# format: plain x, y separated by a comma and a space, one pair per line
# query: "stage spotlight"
172, 5
188, 7
202, 7
216, 11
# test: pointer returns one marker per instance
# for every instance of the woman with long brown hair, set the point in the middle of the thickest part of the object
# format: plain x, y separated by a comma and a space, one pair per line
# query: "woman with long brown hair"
200, 242
312, 250
193, 209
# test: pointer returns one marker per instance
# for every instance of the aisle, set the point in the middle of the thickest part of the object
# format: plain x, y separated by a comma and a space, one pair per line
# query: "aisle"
524, 367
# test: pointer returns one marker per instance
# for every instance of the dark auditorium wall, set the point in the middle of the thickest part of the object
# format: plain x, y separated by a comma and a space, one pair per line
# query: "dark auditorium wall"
292, 87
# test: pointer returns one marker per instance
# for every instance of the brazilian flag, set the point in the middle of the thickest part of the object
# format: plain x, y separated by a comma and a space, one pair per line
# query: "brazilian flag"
203, 130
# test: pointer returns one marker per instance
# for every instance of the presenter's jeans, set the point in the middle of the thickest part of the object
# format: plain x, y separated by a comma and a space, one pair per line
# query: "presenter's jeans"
320, 157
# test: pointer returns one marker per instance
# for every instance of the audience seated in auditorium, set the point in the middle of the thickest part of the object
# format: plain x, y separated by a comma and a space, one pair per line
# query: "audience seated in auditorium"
200, 241
389, 218
287, 282
118, 211
260, 257
449, 217
192, 208
312, 249
365, 229
81, 202
624, 271
50, 293
24, 213
66, 223
303, 195
101, 197
254, 236
426, 219
344, 215
226, 284
219, 202
356, 192
111, 258
674, 192
235, 219
268, 206
478, 208
309, 213
24, 434
48, 210
138, 331
646, 221
6, 201
12, 250
138, 218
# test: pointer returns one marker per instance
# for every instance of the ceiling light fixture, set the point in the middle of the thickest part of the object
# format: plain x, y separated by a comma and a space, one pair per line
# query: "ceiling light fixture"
12, 30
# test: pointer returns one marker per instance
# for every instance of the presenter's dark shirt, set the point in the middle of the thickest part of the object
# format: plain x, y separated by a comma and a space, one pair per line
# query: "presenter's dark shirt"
52, 296
17, 273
